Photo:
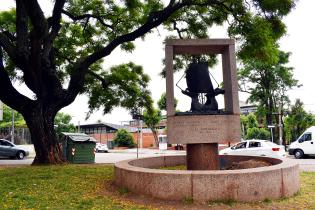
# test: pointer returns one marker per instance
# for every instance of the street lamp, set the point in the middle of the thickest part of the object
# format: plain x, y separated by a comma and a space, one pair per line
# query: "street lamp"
136, 114
271, 127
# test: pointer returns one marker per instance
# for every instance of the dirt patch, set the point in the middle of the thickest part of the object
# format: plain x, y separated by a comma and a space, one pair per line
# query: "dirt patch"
248, 164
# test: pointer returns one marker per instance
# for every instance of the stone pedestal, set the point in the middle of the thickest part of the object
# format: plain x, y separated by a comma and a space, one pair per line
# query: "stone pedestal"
202, 156
202, 132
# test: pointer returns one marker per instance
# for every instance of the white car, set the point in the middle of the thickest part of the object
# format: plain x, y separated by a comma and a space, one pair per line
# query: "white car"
101, 147
255, 147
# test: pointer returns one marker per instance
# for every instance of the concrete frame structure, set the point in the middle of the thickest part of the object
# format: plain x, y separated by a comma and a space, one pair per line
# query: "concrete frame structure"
255, 184
204, 128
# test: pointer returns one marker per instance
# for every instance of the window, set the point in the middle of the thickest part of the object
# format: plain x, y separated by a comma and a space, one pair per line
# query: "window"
254, 144
4, 143
306, 137
240, 145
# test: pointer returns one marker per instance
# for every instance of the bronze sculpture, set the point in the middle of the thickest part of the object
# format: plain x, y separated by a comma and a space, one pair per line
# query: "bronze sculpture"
199, 88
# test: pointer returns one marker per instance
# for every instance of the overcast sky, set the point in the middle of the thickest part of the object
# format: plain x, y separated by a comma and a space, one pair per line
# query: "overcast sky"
149, 53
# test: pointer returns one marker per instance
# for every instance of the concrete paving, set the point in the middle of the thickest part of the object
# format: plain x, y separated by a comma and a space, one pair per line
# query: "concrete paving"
307, 164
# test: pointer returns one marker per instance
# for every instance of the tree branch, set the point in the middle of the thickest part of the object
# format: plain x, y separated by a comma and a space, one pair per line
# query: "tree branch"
21, 28
103, 81
10, 36
54, 25
87, 16
8, 94
154, 19
6, 44
179, 31
37, 18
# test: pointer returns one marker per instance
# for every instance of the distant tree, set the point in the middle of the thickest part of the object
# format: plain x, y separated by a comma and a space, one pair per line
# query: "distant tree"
250, 129
252, 121
162, 102
62, 123
7, 118
257, 133
267, 83
124, 139
244, 125
297, 121
152, 118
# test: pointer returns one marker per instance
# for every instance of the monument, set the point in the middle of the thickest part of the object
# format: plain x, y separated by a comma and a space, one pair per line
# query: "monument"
204, 127
201, 129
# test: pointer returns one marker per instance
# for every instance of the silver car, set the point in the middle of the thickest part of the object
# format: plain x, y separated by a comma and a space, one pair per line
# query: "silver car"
8, 149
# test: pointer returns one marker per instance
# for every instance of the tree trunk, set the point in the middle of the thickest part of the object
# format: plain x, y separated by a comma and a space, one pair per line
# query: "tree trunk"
156, 139
41, 125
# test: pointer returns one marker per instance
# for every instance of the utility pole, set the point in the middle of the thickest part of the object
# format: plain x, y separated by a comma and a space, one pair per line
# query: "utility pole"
12, 131
271, 127
280, 127
1, 111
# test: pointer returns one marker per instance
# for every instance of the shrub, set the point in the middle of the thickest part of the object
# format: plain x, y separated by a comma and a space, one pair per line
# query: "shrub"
124, 139
257, 133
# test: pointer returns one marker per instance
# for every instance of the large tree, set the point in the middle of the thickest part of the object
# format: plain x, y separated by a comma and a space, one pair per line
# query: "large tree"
152, 117
268, 83
58, 56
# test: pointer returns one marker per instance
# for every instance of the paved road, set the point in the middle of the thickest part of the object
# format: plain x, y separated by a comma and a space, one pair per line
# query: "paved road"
114, 156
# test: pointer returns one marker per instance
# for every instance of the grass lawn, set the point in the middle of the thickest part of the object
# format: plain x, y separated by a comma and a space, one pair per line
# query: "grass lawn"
88, 187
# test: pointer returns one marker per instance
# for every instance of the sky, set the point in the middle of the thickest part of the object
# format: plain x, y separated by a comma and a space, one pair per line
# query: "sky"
149, 54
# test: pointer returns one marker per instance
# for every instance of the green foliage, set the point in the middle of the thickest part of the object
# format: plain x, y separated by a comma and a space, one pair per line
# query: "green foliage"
62, 123
252, 121
126, 86
297, 121
152, 118
162, 102
250, 129
89, 26
247, 122
124, 139
19, 121
267, 83
257, 133
46, 52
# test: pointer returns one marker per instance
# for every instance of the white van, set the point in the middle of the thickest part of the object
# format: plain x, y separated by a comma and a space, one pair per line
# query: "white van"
304, 145
162, 142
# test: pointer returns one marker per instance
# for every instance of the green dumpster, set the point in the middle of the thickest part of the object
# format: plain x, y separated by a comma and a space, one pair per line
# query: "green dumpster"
78, 148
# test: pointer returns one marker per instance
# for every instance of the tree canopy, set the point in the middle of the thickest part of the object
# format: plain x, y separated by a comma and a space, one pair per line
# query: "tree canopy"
59, 56
297, 121
267, 83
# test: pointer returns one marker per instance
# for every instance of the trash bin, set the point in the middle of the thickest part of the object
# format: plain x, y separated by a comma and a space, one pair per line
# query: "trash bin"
78, 148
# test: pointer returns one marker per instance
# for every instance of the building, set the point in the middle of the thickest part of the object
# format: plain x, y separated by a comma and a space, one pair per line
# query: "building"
246, 109
105, 132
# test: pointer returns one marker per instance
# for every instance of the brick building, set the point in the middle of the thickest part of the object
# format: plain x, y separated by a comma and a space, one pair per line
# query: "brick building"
105, 132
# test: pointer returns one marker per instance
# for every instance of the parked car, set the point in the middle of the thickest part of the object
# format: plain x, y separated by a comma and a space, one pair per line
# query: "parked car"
101, 147
8, 149
304, 145
255, 147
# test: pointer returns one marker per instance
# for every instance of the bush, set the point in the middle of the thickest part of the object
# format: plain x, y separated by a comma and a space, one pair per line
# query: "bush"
124, 139
257, 133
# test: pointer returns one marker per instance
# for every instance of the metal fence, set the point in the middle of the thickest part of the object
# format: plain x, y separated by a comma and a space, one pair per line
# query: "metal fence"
21, 135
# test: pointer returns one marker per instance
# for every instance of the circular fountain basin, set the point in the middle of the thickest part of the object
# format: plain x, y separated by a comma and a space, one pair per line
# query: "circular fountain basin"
142, 176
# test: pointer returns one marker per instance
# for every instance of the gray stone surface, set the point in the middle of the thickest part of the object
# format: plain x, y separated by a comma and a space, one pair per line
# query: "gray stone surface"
277, 181
203, 129
226, 47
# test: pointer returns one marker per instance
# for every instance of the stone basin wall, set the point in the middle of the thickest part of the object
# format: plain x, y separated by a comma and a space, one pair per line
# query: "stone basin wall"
255, 184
